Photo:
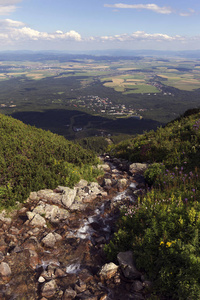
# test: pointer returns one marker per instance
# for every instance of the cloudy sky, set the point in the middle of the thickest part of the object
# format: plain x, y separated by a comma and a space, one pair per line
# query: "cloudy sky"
99, 24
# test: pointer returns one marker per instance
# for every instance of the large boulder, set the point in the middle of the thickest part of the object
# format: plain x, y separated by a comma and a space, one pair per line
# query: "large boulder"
127, 265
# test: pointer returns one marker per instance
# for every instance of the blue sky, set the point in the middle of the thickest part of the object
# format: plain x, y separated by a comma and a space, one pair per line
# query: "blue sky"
99, 24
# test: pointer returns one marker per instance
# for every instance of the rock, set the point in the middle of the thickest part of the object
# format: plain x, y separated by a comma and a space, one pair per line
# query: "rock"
49, 240
85, 275
104, 167
41, 279
80, 286
36, 219
137, 286
108, 271
33, 196
51, 212
48, 195
107, 182
4, 219
5, 269
126, 263
49, 289
69, 294
49, 273
138, 167
68, 196
81, 184
121, 184
59, 273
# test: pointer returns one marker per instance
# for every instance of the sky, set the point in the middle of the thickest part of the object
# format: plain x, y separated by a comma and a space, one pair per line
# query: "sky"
83, 25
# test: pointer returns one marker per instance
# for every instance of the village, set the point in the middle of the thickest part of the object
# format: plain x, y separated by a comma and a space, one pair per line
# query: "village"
104, 106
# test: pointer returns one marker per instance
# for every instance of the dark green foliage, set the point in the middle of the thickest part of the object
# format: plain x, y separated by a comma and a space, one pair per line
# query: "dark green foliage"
98, 144
32, 159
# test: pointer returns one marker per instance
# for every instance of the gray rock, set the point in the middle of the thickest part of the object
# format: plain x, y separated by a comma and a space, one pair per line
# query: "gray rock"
51, 212
50, 239
122, 183
104, 167
49, 196
33, 196
68, 196
82, 183
5, 269
36, 219
138, 167
49, 289
137, 286
126, 263
107, 182
108, 271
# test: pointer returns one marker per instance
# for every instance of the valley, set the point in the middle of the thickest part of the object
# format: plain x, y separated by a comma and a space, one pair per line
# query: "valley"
97, 95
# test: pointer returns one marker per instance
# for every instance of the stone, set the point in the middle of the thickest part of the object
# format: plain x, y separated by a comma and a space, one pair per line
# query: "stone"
80, 286
107, 182
108, 271
122, 183
137, 286
104, 167
49, 289
69, 294
59, 273
48, 195
5, 269
81, 184
138, 167
49, 240
41, 279
68, 197
126, 263
37, 220
33, 196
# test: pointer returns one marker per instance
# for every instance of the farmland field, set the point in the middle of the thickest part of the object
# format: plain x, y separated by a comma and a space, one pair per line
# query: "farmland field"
112, 88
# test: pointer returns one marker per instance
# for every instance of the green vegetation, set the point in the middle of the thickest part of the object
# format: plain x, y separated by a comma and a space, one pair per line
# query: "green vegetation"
33, 159
163, 227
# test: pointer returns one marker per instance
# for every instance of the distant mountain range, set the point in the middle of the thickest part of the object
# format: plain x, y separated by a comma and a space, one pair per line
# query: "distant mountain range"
38, 55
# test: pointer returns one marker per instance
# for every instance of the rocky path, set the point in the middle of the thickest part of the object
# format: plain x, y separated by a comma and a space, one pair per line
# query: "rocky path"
52, 247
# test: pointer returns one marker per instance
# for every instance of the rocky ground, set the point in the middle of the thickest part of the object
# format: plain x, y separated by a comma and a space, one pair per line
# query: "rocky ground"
52, 247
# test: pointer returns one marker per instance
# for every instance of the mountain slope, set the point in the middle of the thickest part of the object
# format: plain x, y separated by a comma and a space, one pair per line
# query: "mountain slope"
162, 227
32, 159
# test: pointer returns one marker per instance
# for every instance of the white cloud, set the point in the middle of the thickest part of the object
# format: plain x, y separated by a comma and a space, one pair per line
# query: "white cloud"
6, 10
187, 13
11, 31
142, 36
10, 23
152, 7
8, 6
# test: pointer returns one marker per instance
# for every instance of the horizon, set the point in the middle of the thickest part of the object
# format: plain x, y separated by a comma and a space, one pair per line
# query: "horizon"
93, 24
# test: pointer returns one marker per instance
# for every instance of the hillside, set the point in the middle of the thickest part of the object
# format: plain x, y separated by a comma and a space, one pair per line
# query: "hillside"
32, 159
163, 227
